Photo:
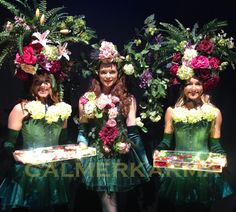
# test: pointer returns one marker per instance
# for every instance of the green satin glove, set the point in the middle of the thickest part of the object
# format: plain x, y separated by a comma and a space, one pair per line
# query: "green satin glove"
165, 144
215, 146
9, 144
134, 136
82, 134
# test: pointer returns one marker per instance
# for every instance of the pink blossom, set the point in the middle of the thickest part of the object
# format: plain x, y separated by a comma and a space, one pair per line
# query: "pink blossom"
102, 101
111, 123
200, 62
113, 113
115, 99
83, 100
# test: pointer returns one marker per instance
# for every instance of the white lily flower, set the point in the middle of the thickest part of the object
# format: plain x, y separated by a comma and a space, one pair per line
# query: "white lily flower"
41, 38
63, 51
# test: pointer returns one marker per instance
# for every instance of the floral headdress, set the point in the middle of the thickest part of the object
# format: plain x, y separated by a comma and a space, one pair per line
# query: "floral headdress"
106, 52
37, 38
203, 53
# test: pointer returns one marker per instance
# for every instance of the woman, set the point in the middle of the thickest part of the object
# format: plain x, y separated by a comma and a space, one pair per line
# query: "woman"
107, 121
195, 124
42, 122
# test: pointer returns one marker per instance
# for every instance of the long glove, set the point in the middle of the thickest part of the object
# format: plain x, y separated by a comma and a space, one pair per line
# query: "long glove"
82, 134
134, 136
215, 146
9, 144
166, 142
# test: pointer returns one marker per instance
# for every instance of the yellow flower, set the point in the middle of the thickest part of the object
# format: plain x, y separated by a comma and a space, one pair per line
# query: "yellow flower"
36, 109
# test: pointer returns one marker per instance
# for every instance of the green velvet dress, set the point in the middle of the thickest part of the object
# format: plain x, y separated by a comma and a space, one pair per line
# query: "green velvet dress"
35, 186
187, 187
113, 172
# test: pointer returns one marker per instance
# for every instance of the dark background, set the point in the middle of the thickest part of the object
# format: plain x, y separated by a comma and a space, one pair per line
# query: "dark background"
115, 21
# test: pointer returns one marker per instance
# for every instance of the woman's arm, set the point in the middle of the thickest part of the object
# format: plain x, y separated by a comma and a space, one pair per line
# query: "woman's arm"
83, 121
131, 118
16, 117
216, 126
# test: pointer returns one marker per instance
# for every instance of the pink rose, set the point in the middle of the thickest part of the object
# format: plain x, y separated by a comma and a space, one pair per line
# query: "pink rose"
115, 99
214, 62
113, 113
83, 100
27, 57
200, 62
205, 46
111, 123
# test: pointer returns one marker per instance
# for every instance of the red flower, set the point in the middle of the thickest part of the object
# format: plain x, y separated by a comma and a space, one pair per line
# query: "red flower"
205, 46
55, 66
174, 69
214, 63
27, 57
22, 75
177, 56
211, 83
108, 135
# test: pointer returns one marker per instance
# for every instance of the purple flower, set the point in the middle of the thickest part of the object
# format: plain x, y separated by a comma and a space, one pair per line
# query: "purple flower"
145, 78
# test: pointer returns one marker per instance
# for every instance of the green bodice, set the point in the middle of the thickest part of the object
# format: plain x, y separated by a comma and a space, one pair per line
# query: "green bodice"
192, 137
38, 133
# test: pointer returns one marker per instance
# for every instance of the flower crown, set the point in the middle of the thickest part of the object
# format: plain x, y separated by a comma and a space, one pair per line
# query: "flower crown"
202, 53
106, 52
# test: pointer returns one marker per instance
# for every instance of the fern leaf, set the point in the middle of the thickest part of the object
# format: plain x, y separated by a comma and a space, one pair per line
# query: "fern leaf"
10, 7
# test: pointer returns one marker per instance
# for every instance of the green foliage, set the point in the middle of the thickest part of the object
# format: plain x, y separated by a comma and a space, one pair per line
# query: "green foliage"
144, 52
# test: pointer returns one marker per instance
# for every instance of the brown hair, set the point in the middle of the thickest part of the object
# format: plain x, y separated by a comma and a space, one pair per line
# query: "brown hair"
53, 97
119, 89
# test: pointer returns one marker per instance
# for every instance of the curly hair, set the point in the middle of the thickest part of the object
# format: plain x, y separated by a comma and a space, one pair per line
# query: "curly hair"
119, 89
44, 76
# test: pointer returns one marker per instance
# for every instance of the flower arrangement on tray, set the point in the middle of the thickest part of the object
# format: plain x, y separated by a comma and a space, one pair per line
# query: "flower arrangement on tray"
187, 160
54, 153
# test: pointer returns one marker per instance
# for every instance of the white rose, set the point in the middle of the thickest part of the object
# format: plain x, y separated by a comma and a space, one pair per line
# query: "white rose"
128, 69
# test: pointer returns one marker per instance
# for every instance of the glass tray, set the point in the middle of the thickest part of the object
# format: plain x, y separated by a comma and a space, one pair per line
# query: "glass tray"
187, 160
55, 153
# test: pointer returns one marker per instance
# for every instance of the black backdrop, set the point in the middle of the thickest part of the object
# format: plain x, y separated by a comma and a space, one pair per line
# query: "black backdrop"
115, 21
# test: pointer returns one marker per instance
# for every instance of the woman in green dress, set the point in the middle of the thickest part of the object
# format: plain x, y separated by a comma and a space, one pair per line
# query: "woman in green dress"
195, 124
107, 121
42, 122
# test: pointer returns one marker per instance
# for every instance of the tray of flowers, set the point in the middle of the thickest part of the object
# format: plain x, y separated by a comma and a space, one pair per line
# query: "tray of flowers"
54, 153
188, 160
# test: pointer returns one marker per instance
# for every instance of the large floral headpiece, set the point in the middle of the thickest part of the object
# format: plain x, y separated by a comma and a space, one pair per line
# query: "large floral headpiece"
37, 38
202, 53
